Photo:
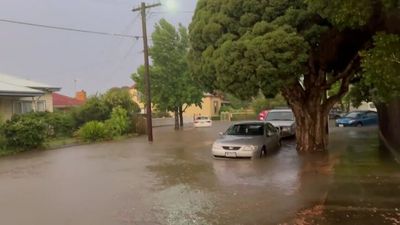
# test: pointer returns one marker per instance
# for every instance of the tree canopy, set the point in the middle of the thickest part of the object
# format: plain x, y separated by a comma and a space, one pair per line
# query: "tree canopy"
299, 48
171, 83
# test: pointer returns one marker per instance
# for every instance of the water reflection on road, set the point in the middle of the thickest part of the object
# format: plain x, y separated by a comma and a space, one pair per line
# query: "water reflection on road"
172, 181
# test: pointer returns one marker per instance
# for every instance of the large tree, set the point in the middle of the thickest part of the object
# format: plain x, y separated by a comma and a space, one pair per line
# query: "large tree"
299, 48
173, 88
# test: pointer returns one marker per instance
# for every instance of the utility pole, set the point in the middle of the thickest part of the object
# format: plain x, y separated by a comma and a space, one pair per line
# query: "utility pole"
142, 10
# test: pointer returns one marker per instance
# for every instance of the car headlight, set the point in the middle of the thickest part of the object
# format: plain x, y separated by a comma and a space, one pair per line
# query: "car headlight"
286, 129
217, 146
249, 148
337, 121
352, 121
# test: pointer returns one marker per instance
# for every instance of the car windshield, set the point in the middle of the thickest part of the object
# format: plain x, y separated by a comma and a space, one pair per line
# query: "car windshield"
280, 116
353, 115
246, 130
202, 118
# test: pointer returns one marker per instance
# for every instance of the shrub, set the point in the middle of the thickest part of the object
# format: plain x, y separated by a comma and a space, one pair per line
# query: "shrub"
118, 124
243, 116
93, 131
159, 114
120, 97
3, 140
61, 123
26, 132
216, 118
95, 109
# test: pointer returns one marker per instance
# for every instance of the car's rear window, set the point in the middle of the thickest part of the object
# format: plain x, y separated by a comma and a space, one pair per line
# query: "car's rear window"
202, 118
285, 116
353, 115
246, 130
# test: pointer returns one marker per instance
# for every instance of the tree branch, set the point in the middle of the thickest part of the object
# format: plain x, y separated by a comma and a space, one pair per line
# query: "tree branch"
344, 88
347, 72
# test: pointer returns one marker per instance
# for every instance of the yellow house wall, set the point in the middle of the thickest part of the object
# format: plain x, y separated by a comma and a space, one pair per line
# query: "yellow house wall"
207, 107
135, 98
6, 107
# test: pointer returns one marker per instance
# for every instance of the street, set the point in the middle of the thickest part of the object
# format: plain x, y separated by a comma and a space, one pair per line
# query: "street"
176, 181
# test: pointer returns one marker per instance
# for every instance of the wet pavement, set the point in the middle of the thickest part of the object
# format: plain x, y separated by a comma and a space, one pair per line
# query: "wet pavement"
176, 181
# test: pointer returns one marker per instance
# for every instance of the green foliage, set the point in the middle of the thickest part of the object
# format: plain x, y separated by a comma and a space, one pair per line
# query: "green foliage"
261, 103
121, 97
216, 118
161, 114
118, 124
381, 66
61, 123
25, 132
226, 108
243, 116
93, 131
171, 84
242, 47
344, 13
236, 103
95, 109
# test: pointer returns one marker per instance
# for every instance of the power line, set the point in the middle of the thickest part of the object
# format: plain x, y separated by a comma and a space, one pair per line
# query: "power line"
69, 29
166, 12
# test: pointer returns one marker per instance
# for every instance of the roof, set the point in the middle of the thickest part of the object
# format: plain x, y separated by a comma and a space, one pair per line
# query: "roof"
62, 101
14, 90
12, 80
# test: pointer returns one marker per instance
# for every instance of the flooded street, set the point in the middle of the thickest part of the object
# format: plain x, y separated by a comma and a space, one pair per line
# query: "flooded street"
176, 181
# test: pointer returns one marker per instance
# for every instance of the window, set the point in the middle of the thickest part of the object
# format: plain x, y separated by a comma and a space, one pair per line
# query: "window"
20, 107
246, 130
216, 107
41, 106
280, 115
372, 106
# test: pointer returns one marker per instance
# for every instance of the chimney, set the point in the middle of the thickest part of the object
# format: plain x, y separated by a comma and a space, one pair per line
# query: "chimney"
81, 96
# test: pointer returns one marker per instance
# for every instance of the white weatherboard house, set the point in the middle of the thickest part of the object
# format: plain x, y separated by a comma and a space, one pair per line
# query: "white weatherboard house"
18, 95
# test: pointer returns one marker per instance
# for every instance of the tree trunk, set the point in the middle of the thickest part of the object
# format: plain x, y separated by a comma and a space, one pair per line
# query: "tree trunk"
311, 128
181, 116
176, 115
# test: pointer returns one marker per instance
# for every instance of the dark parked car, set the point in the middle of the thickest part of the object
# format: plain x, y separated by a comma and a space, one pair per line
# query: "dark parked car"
358, 119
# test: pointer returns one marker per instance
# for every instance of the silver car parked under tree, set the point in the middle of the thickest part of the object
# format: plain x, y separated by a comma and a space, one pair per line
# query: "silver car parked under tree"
247, 140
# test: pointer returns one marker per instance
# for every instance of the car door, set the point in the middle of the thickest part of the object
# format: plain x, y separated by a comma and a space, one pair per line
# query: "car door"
372, 118
272, 136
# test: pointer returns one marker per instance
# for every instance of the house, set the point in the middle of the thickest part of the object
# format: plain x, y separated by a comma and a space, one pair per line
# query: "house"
18, 95
139, 98
65, 103
210, 106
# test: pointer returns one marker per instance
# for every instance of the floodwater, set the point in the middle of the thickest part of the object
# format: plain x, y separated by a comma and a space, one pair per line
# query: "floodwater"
176, 181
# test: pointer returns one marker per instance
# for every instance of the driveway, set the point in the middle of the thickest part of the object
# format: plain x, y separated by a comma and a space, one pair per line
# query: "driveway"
172, 181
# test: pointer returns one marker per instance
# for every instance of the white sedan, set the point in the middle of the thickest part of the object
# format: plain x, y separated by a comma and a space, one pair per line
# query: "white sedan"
247, 139
202, 121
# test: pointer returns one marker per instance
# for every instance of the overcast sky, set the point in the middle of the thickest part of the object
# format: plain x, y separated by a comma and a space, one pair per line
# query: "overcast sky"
60, 57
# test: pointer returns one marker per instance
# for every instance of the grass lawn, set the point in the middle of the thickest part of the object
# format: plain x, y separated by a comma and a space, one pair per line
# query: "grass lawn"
56, 143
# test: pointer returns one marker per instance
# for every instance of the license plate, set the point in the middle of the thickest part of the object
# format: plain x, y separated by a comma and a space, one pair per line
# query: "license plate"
341, 125
230, 154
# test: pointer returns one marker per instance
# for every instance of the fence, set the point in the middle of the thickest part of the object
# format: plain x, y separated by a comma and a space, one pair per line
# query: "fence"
237, 116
